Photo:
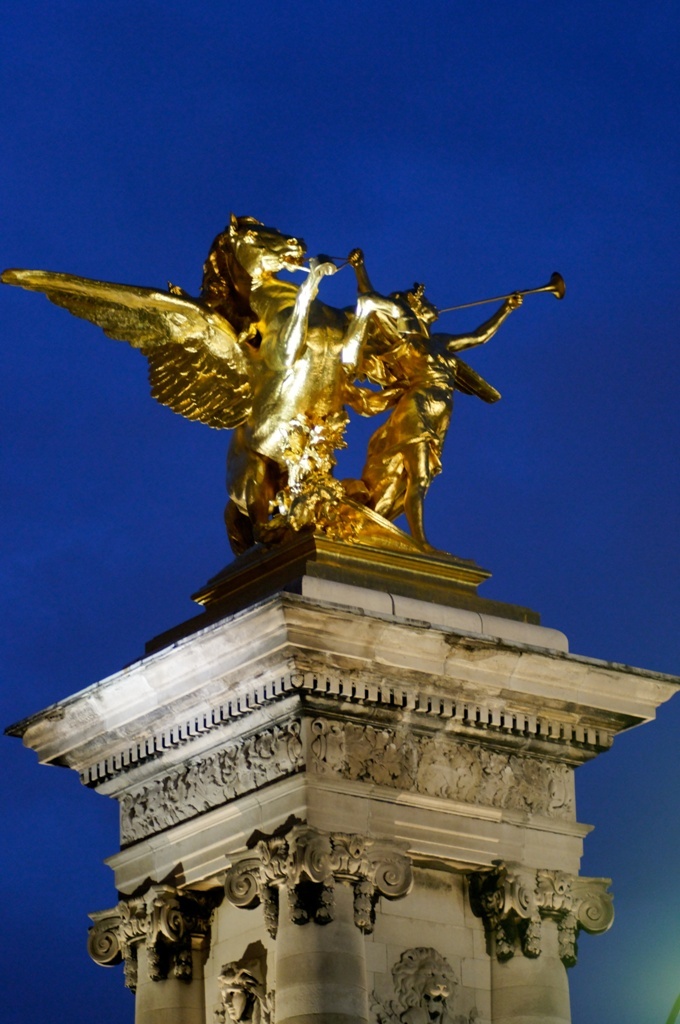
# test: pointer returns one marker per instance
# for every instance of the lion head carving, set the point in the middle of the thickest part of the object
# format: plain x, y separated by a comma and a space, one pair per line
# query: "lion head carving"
423, 982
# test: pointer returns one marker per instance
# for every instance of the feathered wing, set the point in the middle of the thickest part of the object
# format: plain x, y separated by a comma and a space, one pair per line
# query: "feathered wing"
472, 383
196, 365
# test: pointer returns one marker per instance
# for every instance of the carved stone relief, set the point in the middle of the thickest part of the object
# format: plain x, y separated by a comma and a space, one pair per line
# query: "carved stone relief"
513, 901
209, 781
165, 920
443, 767
305, 865
424, 986
438, 766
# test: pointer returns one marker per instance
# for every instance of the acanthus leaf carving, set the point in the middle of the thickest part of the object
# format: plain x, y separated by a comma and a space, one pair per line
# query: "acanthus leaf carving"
506, 899
307, 863
396, 758
513, 900
364, 902
165, 920
442, 767
211, 780
576, 904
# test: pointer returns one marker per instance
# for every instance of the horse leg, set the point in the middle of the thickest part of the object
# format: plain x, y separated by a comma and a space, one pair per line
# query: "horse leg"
239, 528
251, 484
265, 480
294, 336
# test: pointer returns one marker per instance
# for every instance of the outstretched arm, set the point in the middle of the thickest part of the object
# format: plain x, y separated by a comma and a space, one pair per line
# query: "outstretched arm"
394, 319
356, 260
370, 403
459, 342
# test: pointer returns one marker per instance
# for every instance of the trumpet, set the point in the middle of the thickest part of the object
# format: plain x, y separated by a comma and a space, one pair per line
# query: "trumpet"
555, 285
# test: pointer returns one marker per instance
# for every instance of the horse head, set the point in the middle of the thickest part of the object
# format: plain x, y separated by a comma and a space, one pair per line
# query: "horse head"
261, 250
246, 251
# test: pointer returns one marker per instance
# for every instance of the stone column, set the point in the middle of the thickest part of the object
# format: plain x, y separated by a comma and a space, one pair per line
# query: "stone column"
162, 939
532, 919
319, 892
525, 991
320, 970
170, 1000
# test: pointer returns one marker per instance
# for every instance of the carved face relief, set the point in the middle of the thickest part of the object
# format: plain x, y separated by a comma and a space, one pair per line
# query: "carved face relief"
424, 983
433, 990
238, 1003
434, 999
241, 994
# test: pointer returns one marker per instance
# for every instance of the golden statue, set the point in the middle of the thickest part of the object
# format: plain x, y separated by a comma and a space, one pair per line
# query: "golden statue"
418, 373
265, 358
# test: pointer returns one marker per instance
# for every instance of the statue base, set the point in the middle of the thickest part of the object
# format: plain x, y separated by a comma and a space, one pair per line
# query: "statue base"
261, 572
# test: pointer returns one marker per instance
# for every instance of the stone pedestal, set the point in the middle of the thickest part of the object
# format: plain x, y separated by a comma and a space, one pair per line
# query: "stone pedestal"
345, 804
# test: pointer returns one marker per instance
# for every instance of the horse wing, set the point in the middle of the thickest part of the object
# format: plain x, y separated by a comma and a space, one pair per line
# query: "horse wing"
196, 365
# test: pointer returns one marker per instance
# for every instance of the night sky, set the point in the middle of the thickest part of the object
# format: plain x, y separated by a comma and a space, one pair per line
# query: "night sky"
476, 147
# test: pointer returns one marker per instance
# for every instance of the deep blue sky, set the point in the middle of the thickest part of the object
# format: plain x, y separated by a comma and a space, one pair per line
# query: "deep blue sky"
477, 147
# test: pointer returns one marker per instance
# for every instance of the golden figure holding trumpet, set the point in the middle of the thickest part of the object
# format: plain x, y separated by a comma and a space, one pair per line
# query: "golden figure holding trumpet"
267, 359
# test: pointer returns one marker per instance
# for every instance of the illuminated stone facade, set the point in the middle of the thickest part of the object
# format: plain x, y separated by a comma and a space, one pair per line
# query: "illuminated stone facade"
338, 811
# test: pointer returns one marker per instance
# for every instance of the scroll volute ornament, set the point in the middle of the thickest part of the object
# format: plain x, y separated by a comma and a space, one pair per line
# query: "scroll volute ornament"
165, 919
513, 900
576, 904
306, 864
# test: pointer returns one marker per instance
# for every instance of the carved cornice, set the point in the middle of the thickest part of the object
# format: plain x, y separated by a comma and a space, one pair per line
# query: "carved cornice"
513, 900
166, 920
498, 717
305, 865
196, 691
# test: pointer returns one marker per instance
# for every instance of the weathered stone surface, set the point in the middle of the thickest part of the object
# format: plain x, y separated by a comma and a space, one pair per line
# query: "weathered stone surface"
190, 692
307, 757
441, 767
512, 901
168, 922
425, 991
210, 780
429, 764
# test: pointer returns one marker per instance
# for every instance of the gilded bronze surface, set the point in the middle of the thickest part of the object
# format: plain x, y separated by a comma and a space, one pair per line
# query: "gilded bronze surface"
418, 372
267, 359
